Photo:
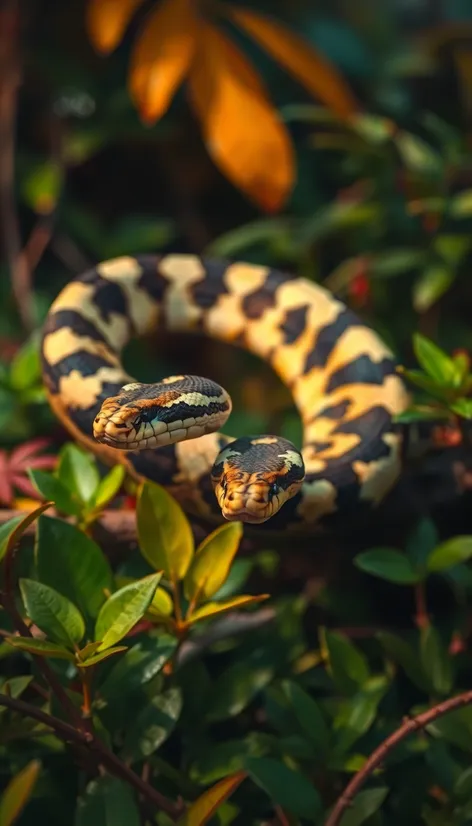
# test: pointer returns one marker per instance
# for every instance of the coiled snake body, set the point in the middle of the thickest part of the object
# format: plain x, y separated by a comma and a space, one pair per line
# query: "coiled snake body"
342, 379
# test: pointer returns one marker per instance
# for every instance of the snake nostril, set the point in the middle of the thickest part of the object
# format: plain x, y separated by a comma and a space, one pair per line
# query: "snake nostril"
120, 425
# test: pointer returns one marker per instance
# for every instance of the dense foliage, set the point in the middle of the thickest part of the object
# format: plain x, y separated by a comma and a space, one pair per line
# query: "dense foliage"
151, 670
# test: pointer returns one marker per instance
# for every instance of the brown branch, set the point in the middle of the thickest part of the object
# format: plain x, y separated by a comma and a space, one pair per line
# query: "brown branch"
378, 756
106, 758
10, 80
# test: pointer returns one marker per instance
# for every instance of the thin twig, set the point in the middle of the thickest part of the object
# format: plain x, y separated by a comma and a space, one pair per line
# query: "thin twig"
107, 758
379, 755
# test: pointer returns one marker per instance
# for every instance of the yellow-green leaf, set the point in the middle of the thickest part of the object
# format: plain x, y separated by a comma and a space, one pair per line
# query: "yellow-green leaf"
12, 530
210, 609
161, 605
207, 804
120, 613
165, 535
107, 20
42, 648
212, 561
300, 59
18, 792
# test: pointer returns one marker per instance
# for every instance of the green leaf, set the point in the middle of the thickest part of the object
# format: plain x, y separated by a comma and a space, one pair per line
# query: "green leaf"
152, 725
52, 613
421, 413
463, 407
219, 759
358, 713
165, 535
41, 186
436, 661
78, 472
11, 531
237, 686
161, 605
460, 205
108, 487
433, 282
455, 727
347, 664
463, 785
53, 489
417, 155
43, 648
102, 655
393, 262
25, 368
450, 553
435, 361
386, 563
211, 609
127, 678
203, 809
18, 792
107, 802
124, 609
364, 805
285, 787
73, 564
421, 541
212, 561
406, 656
308, 715
15, 686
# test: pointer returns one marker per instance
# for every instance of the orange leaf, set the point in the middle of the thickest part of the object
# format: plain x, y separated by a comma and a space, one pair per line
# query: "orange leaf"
242, 131
205, 807
106, 21
161, 57
300, 59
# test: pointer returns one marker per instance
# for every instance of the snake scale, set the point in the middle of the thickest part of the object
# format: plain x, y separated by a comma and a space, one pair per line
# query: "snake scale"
341, 376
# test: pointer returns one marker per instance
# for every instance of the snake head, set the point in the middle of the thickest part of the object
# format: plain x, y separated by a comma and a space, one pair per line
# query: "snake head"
253, 477
146, 416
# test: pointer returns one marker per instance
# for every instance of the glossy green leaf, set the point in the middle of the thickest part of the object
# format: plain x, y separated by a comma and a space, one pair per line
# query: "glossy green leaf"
347, 664
212, 561
364, 805
211, 609
219, 759
285, 787
120, 613
450, 553
18, 792
107, 802
308, 714
203, 809
152, 725
73, 564
53, 489
78, 471
435, 361
389, 564
102, 655
436, 661
13, 530
87, 650
108, 488
433, 282
44, 648
52, 613
406, 656
165, 535
128, 676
